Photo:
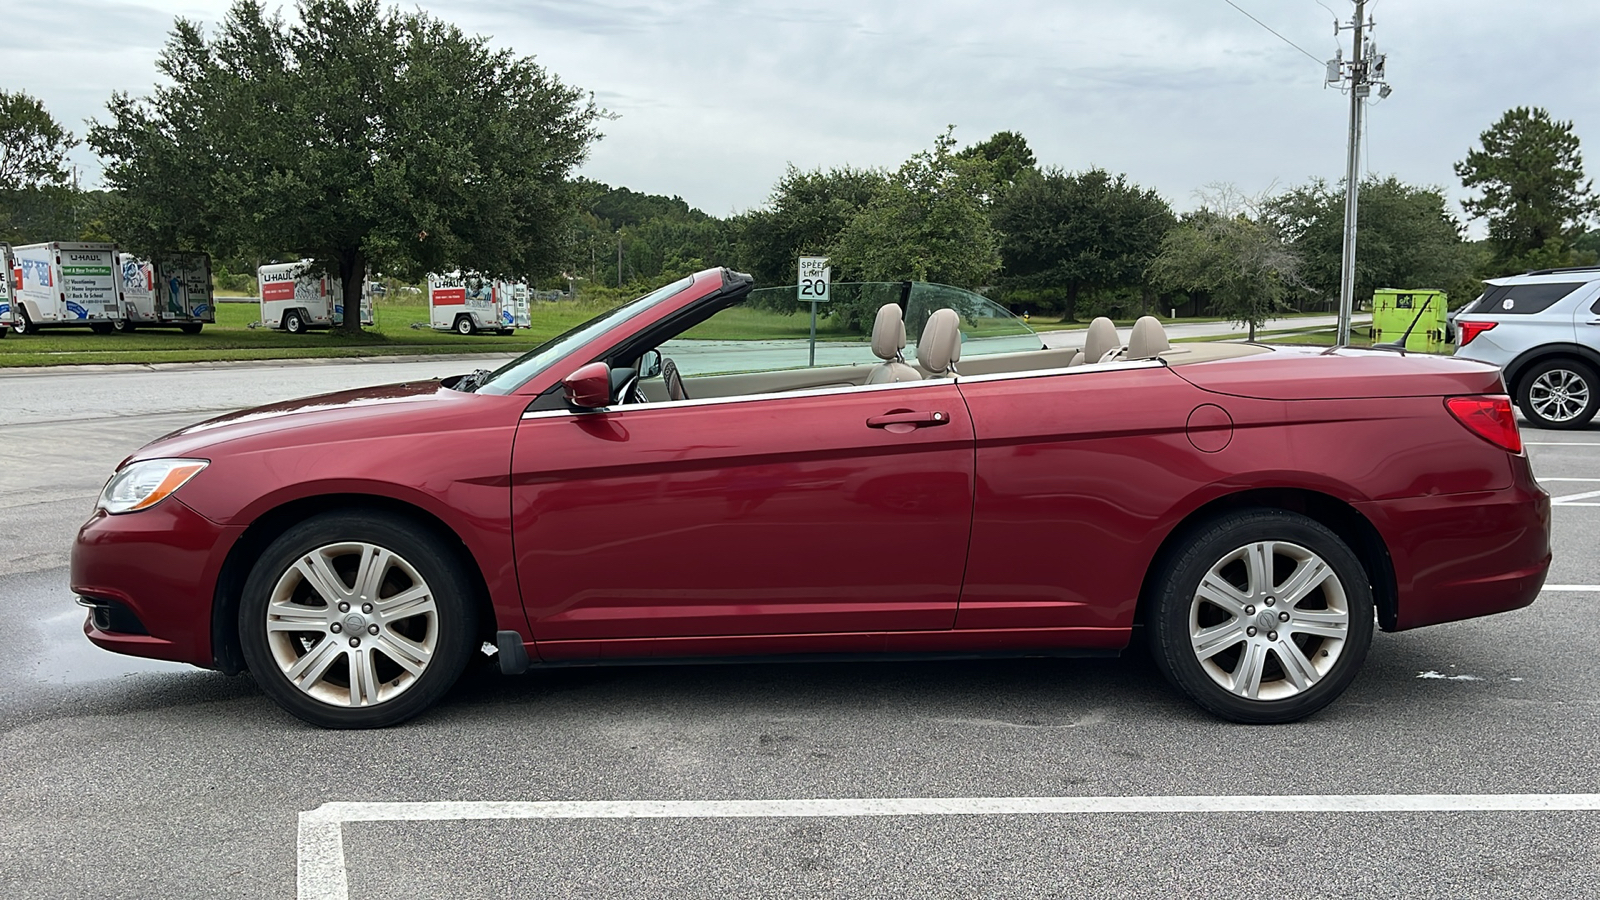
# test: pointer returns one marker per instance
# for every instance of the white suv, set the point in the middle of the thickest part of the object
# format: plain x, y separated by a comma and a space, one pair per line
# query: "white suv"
1543, 330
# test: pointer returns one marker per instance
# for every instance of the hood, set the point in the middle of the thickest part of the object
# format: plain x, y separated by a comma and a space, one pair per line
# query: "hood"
416, 405
1303, 373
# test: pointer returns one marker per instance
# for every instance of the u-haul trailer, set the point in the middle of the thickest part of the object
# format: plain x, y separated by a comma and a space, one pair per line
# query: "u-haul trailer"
469, 304
62, 283
8, 287
296, 301
173, 290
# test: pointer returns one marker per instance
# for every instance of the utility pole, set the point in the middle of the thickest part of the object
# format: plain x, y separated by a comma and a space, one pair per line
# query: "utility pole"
1366, 68
619, 259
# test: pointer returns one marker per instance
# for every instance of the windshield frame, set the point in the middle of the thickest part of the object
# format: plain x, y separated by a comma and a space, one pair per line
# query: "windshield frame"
518, 372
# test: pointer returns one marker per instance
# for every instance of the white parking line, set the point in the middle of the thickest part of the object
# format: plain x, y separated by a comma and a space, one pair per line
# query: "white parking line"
1570, 498
1542, 479
1560, 444
321, 839
1586, 588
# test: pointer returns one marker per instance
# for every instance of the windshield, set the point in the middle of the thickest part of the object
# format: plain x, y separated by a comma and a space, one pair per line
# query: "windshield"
517, 372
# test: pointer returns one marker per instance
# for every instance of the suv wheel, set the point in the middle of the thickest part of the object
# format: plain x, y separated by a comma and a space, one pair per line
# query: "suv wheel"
1559, 393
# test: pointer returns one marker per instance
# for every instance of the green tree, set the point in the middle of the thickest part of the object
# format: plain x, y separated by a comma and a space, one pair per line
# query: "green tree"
926, 223
1236, 260
33, 146
1533, 191
38, 200
1008, 155
804, 217
1406, 237
1076, 232
360, 136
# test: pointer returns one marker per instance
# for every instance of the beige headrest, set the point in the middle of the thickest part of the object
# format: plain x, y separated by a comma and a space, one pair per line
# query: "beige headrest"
1101, 339
1148, 340
939, 349
888, 332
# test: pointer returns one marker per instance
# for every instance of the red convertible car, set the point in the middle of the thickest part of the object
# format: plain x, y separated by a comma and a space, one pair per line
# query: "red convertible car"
642, 489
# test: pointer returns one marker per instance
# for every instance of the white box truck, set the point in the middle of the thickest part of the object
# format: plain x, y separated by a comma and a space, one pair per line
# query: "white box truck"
173, 290
468, 304
296, 301
66, 284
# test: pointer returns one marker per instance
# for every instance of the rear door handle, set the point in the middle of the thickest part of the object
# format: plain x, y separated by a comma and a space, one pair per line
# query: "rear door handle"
912, 419
1593, 322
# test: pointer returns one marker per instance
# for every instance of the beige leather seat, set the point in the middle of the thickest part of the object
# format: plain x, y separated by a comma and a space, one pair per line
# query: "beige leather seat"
1100, 341
888, 339
939, 348
1148, 341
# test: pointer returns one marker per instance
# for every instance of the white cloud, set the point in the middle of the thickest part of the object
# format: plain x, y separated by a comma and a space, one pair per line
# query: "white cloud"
714, 97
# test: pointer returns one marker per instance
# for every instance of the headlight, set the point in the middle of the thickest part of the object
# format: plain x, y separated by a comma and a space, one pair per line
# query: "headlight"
144, 484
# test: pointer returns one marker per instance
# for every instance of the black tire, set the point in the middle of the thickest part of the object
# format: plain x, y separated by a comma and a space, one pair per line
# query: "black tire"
293, 322
1558, 394
124, 326
419, 558
190, 327
100, 327
464, 325
20, 323
1176, 611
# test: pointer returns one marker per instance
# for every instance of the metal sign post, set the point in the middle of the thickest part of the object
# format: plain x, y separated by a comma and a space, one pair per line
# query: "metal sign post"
814, 284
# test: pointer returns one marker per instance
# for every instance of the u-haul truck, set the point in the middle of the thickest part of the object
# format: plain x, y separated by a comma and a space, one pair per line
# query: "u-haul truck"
295, 301
468, 304
65, 284
172, 290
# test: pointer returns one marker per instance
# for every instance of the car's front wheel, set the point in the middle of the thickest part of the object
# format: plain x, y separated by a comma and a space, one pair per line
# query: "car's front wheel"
356, 620
1264, 616
1558, 393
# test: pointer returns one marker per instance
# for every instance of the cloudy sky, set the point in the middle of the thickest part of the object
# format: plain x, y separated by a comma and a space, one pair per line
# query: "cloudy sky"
714, 97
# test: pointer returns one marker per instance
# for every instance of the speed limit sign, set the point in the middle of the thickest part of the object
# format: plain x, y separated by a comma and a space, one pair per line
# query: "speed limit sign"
814, 276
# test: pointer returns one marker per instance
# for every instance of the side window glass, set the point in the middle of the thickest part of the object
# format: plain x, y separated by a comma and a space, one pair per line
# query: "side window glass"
769, 332
986, 326
1524, 299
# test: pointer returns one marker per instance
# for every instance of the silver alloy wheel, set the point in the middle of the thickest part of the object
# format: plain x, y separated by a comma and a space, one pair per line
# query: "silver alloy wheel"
352, 624
1269, 620
1559, 395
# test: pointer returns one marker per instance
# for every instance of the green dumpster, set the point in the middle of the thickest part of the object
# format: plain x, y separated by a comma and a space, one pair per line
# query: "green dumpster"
1422, 311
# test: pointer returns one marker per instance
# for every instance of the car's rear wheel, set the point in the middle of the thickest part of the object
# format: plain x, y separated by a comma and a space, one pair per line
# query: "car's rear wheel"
1559, 393
1264, 616
124, 326
191, 327
356, 621
293, 323
20, 323
464, 326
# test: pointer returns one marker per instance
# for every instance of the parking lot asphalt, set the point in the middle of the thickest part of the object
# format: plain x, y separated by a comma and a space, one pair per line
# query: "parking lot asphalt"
139, 779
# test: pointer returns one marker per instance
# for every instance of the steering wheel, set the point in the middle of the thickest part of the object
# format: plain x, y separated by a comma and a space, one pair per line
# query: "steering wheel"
669, 374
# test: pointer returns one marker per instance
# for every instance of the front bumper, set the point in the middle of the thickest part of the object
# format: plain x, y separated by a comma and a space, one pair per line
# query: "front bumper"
1460, 556
158, 567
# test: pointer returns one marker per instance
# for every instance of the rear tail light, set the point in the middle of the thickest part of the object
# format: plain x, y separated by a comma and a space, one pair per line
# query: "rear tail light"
1470, 330
1489, 418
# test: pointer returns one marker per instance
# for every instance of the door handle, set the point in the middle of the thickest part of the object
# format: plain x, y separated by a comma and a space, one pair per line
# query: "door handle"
907, 417
1593, 322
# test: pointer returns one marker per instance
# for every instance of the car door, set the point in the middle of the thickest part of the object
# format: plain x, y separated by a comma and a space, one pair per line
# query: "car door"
1076, 473
843, 511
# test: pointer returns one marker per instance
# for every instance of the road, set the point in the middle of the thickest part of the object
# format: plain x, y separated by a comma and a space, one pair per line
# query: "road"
133, 779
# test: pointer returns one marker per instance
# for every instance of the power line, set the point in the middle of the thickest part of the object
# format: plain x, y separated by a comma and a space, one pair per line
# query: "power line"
1279, 36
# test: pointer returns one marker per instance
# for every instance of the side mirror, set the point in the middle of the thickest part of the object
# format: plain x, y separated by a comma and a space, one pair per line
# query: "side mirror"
650, 364
589, 387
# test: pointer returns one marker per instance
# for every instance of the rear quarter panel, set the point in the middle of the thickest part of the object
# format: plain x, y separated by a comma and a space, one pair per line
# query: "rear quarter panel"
1082, 476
